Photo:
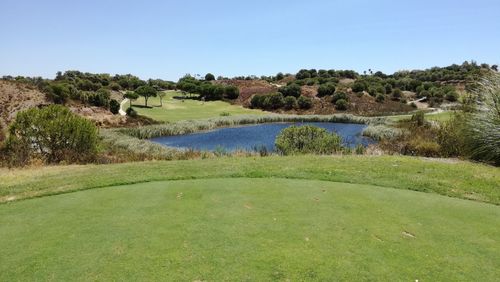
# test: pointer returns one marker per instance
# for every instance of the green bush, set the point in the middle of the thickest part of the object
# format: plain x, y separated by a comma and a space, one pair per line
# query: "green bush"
257, 101
114, 106
290, 102
380, 98
307, 140
341, 105
452, 136
326, 90
418, 119
422, 147
231, 92
358, 86
304, 102
131, 112
338, 96
115, 86
290, 90
53, 134
397, 94
57, 92
274, 101
100, 98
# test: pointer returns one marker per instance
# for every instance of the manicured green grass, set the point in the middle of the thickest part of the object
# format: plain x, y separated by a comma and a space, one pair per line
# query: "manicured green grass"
440, 117
175, 109
446, 177
244, 229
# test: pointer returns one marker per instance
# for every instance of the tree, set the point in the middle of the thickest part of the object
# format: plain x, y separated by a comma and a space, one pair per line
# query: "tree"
209, 77
146, 91
52, 133
494, 67
162, 95
279, 76
326, 90
131, 96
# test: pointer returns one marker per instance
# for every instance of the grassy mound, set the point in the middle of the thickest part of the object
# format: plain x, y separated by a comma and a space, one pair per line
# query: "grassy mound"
249, 229
446, 177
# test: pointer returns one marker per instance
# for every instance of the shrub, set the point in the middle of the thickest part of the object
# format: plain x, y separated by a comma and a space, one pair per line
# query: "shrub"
257, 101
57, 92
339, 95
53, 134
131, 112
304, 102
422, 147
380, 98
326, 90
452, 136
274, 101
115, 86
388, 88
307, 140
290, 90
231, 92
100, 98
451, 95
341, 105
396, 94
418, 119
358, 86
114, 106
290, 102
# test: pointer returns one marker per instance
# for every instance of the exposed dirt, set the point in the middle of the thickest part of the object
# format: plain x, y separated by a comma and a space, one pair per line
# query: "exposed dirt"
15, 97
309, 91
249, 88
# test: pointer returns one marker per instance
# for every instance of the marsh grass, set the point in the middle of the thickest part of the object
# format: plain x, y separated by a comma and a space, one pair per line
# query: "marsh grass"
382, 132
186, 127
483, 124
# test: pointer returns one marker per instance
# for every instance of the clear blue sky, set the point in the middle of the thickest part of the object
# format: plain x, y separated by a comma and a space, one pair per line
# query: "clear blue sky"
167, 39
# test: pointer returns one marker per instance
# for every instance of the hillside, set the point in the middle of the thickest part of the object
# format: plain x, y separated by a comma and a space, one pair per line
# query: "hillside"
18, 96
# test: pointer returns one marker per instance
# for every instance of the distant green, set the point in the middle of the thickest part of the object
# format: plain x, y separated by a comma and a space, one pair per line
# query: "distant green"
187, 109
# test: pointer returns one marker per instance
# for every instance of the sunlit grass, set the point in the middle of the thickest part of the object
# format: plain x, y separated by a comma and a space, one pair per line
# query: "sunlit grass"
188, 109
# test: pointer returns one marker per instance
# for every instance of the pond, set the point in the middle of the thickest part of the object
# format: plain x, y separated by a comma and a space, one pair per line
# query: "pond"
250, 137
